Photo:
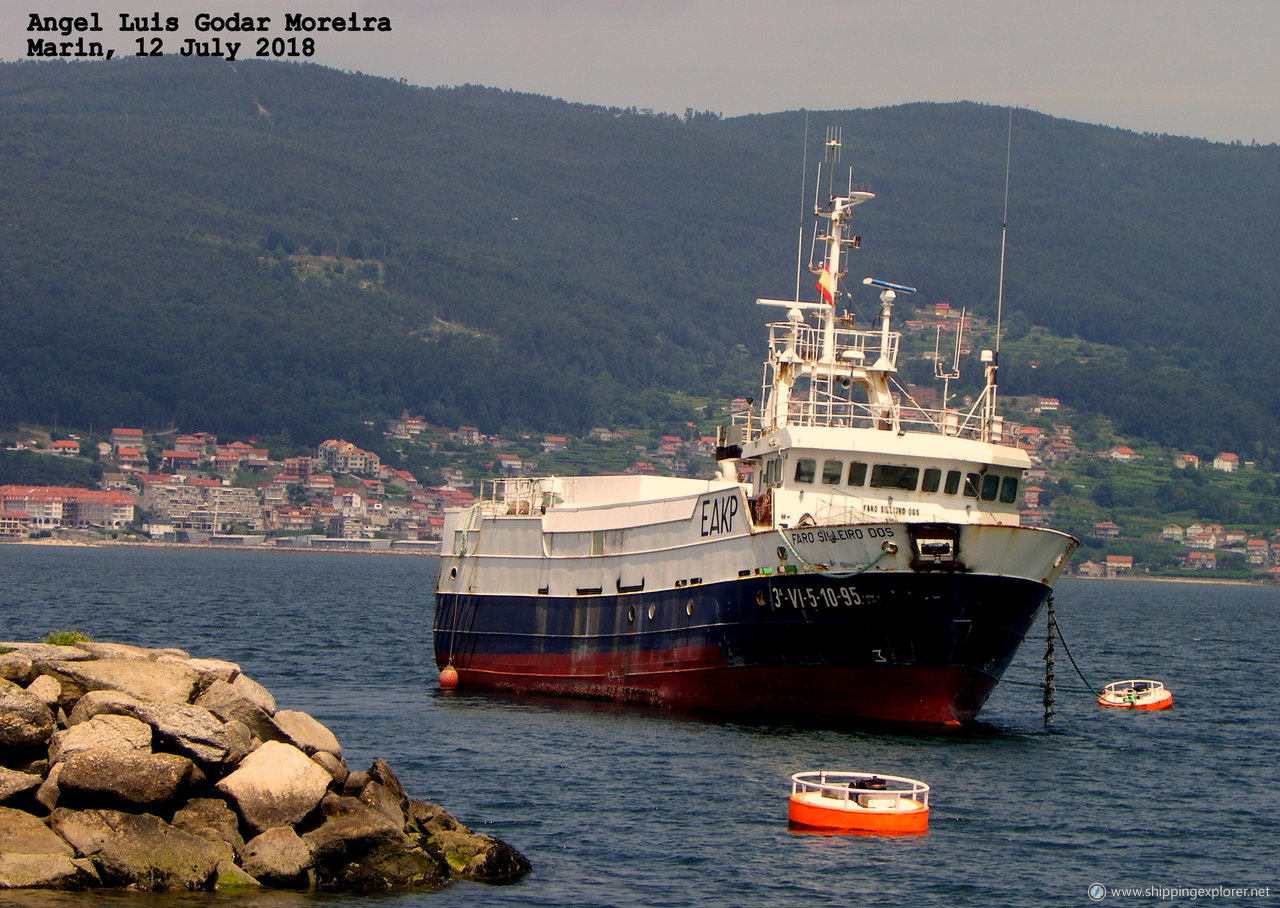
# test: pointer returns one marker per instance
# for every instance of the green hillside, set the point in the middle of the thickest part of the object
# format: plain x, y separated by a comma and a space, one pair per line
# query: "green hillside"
292, 251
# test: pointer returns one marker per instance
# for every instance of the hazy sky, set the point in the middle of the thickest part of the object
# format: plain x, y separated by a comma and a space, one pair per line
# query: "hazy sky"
1205, 68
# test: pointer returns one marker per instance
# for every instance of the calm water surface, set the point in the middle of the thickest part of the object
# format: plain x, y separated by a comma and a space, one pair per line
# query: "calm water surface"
631, 808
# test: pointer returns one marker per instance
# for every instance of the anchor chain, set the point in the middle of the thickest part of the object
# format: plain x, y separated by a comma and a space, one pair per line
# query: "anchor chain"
1050, 685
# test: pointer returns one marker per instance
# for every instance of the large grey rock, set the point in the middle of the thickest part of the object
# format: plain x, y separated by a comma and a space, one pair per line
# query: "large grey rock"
382, 799
335, 766
254, 692
162, 682
98, 702
147, 853
103, 732
25, 721
382, 773
16, 667
380, 789
231, 877
21, 833
127, 651
47, 793
240, 742
211, 670
46, 690
32, 856
427, 819
469, 855
122, 777
212, 819
182, 727
478, 857
306, 733
356, 847
46, 871
388, 865
229, 704
350, 829
13, 784
187, 729
40, 653
276, 785
278, 857
86, 830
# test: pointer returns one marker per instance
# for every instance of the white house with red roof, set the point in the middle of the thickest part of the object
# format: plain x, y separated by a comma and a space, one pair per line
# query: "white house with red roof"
1106, 529
1122, 453
131, 459
126, 438
1227, 462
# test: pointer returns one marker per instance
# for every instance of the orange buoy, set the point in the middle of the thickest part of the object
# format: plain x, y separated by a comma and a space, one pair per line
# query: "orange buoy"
859, 803
448, 679
1136, 694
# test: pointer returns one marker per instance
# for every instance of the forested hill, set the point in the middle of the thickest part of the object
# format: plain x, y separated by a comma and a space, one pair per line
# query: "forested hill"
293, 251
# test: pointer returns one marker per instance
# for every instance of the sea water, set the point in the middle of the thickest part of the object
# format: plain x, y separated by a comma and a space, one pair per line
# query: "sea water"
626, 807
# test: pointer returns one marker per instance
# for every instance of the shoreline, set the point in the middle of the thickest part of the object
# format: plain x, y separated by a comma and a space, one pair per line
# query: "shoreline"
1157, 578
400, 553
206, 547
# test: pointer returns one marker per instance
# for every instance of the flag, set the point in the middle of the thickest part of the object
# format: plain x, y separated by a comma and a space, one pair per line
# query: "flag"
827, 284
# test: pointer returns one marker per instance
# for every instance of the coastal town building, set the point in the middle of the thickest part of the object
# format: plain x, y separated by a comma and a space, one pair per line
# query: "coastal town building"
1122, 453
55, 506
14, 525
1118, 565
344, 457
1106, 529
1227, 462
126, 438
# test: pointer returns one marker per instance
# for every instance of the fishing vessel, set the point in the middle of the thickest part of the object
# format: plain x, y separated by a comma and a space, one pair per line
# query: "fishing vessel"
858, 556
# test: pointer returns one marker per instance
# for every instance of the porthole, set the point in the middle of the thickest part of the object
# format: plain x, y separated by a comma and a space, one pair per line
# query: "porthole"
688, 607
453, 573
760, 598
782, 553
653, 610
631, 614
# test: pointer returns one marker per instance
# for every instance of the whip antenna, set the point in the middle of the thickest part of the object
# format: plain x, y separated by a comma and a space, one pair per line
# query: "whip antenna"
1004, 228
804, 183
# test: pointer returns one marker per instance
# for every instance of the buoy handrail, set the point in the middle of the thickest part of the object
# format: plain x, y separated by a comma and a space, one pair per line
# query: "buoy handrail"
1125, 686
841, 784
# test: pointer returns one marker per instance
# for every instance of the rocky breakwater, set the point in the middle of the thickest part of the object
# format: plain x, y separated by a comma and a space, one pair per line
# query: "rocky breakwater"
147, 769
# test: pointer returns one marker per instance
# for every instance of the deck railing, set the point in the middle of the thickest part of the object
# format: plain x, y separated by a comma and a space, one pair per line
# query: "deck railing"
846, 786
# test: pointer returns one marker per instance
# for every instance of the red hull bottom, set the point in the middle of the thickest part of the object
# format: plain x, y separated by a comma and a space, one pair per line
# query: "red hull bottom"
942, 695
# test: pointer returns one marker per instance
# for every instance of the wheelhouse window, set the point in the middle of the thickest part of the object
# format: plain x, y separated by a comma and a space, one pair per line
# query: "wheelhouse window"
990, 486
953, 482
857, 474
972, 483
1009, 489
932, 480
806, 467
885, 476
831, 470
